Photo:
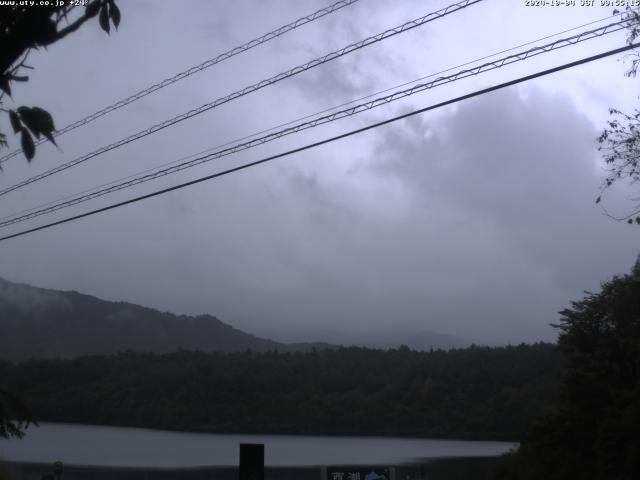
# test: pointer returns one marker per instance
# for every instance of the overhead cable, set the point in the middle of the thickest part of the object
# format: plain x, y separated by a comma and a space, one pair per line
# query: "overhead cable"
499, 63
245, 91
299, 119
291, 122
327, 140
198, 68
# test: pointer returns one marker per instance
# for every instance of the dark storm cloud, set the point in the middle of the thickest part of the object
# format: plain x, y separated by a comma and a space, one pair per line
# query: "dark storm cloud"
354, 76
521, 172
339, 81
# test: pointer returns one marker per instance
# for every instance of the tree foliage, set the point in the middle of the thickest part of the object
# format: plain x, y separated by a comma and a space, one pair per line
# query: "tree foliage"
25, 27
478, 392
14, 416
620, 146
620, 139
594, 434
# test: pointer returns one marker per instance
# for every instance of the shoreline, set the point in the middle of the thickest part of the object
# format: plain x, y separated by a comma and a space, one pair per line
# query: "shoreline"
490, 437
432, 468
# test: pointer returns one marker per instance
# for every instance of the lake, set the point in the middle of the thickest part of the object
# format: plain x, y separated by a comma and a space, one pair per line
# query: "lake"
138, 447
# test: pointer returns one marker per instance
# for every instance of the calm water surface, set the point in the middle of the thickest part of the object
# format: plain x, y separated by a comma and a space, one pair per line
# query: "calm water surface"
115, 446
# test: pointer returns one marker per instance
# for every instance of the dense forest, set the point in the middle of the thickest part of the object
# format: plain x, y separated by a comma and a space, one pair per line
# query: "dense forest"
477, 392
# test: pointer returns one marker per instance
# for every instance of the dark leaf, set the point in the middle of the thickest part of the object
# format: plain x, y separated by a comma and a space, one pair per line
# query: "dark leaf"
597, 200
638, 220
44, 122
104, 18
630, 221
50, 137
4, 85
15, 121
114, 11
92, 9
29, 120
28, 146
39, 121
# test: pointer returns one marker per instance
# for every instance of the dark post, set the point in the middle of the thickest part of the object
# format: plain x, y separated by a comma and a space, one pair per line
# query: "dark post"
57, 469
251, 461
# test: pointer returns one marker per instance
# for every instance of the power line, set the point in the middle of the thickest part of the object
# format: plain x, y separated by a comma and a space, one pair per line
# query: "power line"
245, 91
198, 68
255, 134
328, 140
290, 122
532, 52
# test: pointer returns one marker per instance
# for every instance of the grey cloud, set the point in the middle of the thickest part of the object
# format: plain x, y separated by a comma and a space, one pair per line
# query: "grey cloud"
520, 172
339, 81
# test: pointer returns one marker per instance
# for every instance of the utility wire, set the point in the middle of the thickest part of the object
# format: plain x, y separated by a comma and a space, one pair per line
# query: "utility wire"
198, 68
291, 122
328, 140
257, 86
561, 43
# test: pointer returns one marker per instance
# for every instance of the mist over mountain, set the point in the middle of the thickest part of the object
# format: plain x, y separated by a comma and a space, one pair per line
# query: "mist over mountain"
43, 323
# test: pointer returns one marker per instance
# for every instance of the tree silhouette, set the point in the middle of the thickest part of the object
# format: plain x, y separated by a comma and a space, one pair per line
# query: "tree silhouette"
594, 434
620, 139
23, 28
14, 417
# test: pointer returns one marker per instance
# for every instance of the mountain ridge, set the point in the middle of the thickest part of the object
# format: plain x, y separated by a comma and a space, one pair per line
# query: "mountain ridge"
46, 323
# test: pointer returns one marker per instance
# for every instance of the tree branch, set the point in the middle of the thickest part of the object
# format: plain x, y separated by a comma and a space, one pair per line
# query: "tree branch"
75, 25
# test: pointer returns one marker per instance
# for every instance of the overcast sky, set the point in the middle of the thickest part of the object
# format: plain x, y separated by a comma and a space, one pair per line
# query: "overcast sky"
476, 220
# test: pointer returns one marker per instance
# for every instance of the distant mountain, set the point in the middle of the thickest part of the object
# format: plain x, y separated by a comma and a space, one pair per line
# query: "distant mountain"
41, 323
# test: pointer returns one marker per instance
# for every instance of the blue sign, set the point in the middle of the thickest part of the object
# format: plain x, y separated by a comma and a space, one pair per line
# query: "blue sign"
358, 473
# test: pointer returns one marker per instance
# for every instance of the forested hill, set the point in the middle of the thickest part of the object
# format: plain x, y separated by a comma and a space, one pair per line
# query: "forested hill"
484, 393
40, 323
